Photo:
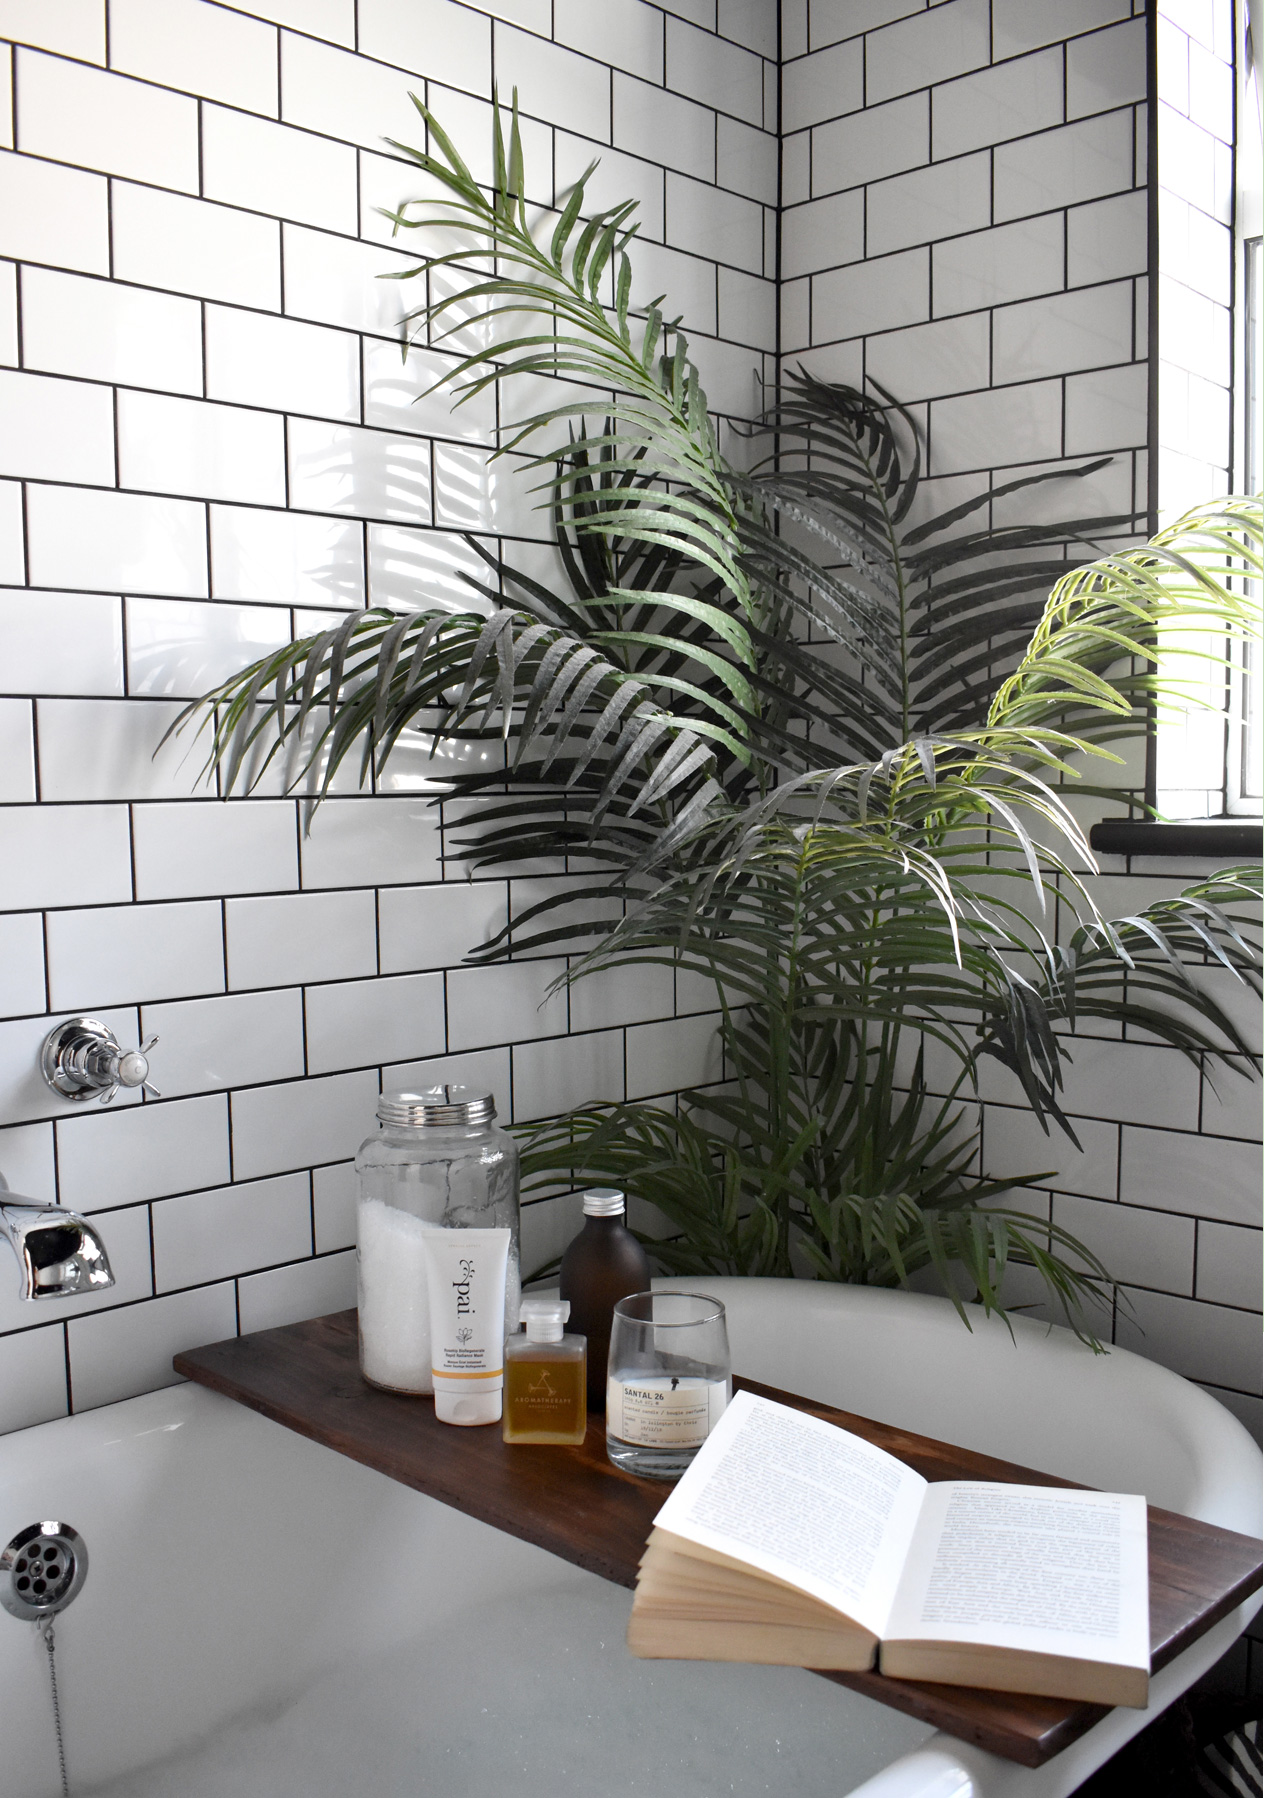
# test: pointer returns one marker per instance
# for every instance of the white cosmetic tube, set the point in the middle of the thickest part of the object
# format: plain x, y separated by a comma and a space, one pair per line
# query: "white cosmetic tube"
465, 1273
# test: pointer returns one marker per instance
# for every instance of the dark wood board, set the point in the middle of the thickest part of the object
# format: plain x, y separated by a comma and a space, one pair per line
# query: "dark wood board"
574, 1503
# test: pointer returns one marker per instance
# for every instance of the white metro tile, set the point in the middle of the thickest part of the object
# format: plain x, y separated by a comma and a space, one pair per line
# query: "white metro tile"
436, 926
273, 168
205, 1236
664, 1057
53, 214
1131, 1081
9, 314
409, 566
747, 309
239, 1039
334, 1206
1228, 1265
746, 160
865, 146
63, 855
1106, 239
348, 97
104, 331
625, 34
21, 964
32, 1377
925, 361
660, 126
287, 1295
56, 430
1106, 410
1140, 1248
128, 1351
276, 1128
110, 541
117, 1157
126, 1237
73, 27
338, 282
822, 233
259, 360
24, 1093
1107, 69
432, 37
215, 846
370, 474
165, 240
385, 841
28, 1161
118, 954
12, 533
1089, 327
307, 936
719, 74
930, 46
357, 1022
1020, 25
616, 178
504, 1004
1201, 1341
1008, 101
630, 994
707, 221
197, 447
688, 282
1206, 1176
110, 749
17, 752
749, 22
928, 204
203, 49
401, 395
487, 1069
1007, 263
286, 558
550, 1078
1057, 168
556, 85
183, 648
70, 113
823, 86
968, 430
1014, 1144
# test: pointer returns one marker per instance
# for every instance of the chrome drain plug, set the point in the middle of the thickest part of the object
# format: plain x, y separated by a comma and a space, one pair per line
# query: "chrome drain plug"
42, 1569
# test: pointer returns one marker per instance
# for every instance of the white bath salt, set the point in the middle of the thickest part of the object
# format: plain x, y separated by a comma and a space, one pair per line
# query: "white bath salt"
394, 1308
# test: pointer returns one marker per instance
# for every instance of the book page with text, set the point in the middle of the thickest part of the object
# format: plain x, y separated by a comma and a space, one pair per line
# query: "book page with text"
1037, 1568
803, 1501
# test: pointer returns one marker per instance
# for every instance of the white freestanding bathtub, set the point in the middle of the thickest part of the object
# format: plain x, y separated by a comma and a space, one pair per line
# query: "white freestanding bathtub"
266, 1619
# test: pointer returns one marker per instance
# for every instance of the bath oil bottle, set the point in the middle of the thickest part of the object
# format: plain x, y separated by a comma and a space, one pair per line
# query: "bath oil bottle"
546, 1397
602, 1265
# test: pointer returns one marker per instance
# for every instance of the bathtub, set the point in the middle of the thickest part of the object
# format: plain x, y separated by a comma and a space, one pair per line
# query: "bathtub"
266, 1619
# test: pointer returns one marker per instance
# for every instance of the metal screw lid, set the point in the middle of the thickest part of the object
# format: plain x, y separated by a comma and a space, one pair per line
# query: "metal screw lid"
438, 1107
603, 1201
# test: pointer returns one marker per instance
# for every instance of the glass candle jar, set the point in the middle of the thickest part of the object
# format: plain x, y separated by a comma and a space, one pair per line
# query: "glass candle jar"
668, 1382
437, 1162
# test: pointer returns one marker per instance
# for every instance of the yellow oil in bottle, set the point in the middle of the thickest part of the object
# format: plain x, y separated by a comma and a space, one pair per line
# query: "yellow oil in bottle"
546, 1389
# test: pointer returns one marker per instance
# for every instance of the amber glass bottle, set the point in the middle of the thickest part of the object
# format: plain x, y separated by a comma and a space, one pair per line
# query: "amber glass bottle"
602, 1264
544, 1378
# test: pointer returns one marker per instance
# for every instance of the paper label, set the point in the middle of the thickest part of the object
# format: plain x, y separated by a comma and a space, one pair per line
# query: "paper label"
663, 1411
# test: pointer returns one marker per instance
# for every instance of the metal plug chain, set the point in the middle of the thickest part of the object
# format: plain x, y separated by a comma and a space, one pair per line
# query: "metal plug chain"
45, 1628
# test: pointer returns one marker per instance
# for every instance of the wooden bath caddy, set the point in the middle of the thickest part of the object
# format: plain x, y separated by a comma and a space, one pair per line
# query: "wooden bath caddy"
574, 1503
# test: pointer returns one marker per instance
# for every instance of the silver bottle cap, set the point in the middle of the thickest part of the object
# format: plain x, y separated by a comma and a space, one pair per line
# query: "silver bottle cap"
438, 1106
603, 1201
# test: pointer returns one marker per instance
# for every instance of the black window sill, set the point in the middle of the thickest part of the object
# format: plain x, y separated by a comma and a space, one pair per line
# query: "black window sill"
1219, 838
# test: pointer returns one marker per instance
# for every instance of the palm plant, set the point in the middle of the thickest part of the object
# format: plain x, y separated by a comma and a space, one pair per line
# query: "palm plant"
832, 783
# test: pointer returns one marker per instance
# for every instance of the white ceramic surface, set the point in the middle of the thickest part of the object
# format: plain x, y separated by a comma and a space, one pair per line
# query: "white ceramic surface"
262, 1615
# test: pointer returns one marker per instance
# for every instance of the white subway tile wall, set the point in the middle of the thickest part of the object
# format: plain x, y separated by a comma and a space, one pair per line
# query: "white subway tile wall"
965, 221
207, 439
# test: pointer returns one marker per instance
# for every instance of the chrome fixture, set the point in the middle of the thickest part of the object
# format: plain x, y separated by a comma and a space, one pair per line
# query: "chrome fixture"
58, 1251
83, 1057
42, 1569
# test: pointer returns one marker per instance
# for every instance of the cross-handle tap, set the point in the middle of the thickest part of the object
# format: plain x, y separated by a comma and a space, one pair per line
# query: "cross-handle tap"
83, 1057
58, 1252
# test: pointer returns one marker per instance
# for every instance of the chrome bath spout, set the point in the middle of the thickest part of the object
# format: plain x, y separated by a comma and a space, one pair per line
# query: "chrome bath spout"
58, 1252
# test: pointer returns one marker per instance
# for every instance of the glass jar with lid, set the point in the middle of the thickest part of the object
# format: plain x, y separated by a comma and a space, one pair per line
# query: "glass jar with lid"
437, 1161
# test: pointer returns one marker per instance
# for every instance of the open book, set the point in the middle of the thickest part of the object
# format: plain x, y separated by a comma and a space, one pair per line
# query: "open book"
794, 1542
